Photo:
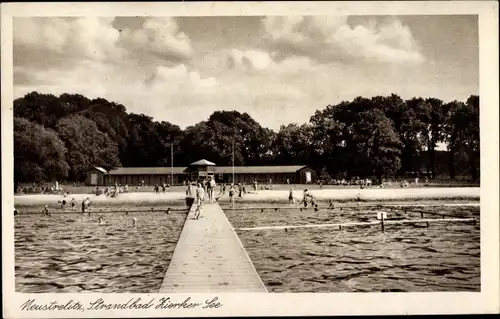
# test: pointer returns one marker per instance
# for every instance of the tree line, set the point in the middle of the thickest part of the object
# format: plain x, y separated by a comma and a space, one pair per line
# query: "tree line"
61, 138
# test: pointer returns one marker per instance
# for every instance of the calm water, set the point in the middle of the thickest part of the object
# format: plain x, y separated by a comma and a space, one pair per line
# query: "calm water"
72, 253
443, 257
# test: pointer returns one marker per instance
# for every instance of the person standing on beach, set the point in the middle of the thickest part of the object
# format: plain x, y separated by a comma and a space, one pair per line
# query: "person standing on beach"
200, 194
212, 189
209, 189
190, 194
240, 190
73, 203
231, 194
291, 199
200, 197
222, 189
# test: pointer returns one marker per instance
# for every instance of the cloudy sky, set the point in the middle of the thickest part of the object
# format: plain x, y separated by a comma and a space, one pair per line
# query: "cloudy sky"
278, 69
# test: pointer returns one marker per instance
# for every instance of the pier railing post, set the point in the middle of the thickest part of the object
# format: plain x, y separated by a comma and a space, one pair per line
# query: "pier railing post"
382, 216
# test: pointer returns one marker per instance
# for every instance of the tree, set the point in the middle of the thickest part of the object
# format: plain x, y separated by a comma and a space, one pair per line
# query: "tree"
294, 144
39, 154
43, 109
169, 136
87, 146
408, 127
357, 138
362, 137
451, 133
469, 137
378, 145
431, 117
329, 141
214, 139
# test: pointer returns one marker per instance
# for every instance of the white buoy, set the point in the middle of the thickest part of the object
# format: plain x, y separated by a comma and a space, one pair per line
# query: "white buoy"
381, 215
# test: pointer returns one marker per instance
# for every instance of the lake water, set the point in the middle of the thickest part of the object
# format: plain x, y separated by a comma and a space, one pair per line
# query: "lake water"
404, 258
72, 253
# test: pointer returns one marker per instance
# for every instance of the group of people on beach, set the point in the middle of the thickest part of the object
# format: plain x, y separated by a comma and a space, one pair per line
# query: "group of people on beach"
36, 188
195, 193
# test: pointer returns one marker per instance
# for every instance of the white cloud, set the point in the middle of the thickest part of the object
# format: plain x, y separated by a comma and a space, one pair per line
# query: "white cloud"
54, 42
151, 67
46, 41
331, 38
257, 62
159, 36
250, 59
179, 76
166, 93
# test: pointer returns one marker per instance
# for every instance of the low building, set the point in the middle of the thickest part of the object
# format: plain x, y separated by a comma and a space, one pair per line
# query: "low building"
294, 174
96, 176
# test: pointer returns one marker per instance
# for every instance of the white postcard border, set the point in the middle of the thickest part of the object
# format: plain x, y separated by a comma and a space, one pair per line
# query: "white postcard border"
237, 304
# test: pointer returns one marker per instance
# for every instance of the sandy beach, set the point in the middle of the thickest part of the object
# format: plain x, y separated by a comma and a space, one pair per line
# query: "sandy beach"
138, 199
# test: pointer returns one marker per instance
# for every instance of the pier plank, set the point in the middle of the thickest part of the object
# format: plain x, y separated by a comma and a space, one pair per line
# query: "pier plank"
209, 257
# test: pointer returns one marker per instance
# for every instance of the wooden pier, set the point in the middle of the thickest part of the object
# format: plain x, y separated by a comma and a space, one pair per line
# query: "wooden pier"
209, 257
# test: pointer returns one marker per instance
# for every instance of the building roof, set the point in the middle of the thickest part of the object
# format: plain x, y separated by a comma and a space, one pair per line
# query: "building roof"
259, 169
218, 170
147, 171
100, 169
202, 162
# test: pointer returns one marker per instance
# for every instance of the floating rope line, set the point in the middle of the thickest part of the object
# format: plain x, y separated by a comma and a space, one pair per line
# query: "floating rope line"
422, 212
360, 205
342, 225
97, 211
434, 205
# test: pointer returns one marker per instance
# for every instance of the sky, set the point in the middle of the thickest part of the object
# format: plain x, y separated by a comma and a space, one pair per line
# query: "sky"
278, 69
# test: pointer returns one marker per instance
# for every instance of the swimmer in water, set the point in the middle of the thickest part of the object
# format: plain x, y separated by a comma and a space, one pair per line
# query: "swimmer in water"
135, 223
86, 205
45, 210
102, 221
73, 203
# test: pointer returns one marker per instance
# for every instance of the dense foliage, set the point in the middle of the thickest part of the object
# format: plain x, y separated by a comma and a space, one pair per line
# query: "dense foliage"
62, 137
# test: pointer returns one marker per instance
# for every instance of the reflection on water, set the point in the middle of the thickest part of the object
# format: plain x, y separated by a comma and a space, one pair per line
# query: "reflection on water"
443, 257
71, 252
